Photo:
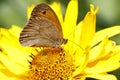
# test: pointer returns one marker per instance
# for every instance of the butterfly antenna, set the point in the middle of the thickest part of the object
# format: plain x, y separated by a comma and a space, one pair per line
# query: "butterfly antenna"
73, 41
76, 44
72, 31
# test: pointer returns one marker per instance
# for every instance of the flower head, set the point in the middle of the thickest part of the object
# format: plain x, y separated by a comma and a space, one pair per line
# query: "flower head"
87, 54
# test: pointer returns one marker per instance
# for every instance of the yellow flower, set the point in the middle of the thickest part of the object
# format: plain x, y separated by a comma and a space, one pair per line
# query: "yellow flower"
87, 54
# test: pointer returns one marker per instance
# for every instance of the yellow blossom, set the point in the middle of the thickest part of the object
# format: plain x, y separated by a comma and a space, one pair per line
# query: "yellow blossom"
87, 54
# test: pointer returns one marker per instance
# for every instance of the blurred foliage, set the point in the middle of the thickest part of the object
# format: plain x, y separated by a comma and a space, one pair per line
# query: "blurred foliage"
15, 12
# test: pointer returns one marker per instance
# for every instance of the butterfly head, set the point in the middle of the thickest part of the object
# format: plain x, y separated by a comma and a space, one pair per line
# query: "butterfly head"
57, 44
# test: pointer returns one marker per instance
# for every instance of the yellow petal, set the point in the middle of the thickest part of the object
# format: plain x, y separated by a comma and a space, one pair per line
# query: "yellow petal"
81, 62
7, 37
10, 45
1, 65
88, 27
15, 30
116, 54
14, 67
100, 35
76, 44
56, 7
81, 65
105, 65
4, 33
69, 24
7, 77
78, 33
104, 59
16, 54
29, 10
70, 19
102, 50
117, 50
102, 76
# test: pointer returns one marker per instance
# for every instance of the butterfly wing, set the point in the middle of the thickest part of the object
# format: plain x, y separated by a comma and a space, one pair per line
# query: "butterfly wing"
43, 28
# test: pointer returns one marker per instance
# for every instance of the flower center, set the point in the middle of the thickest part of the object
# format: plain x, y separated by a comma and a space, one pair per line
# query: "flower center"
51, 64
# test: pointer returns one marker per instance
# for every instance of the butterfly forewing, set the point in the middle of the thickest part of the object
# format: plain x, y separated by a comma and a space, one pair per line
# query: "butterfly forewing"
43, 28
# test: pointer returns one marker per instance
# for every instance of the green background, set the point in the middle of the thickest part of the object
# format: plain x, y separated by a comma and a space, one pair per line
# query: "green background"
15, 12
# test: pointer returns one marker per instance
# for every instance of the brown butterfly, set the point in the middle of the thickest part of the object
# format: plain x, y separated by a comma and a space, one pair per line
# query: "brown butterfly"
43, 29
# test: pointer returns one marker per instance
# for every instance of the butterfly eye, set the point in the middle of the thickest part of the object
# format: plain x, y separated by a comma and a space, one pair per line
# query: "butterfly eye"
44, 12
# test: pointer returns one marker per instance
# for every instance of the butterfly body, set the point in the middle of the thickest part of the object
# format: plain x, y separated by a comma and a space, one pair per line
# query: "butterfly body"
43, 29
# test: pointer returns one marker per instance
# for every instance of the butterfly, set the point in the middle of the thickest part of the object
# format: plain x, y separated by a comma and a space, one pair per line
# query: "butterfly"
43, 29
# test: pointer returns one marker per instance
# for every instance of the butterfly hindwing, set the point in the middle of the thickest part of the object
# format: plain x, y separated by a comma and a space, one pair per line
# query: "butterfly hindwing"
39, 32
